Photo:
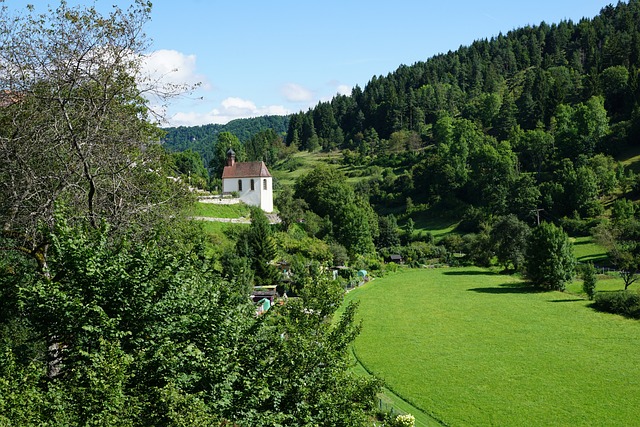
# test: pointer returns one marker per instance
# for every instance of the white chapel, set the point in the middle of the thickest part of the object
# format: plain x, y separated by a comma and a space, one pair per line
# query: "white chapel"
251, 180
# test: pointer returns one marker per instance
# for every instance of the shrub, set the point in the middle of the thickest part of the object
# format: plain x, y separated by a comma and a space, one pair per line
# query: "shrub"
589, 280
407, 420
625, 303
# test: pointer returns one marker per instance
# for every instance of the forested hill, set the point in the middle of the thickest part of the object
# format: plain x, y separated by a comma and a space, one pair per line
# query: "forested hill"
202, 138
518, 78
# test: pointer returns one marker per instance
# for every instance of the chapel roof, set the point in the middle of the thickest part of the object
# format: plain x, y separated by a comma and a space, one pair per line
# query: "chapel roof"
246, 170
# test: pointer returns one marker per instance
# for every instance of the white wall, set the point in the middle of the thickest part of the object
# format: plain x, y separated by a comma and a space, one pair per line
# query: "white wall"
266, 196
258, 197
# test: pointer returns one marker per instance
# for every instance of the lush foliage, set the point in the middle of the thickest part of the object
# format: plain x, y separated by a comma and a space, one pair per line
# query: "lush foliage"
74, 127
589, 280
149, 334
524, 123
202, 139
622, 240
111, 310
550, 261
625, 303
352, 222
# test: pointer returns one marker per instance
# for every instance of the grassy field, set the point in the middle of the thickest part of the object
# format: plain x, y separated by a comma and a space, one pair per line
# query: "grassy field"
471, 347
300, 164
220, 211
631, 159
586, 250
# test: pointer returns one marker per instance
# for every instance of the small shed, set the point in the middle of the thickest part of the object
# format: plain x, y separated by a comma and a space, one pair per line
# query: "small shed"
397, 258
263, 292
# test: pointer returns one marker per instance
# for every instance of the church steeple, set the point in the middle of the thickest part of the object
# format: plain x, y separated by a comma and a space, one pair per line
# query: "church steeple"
231, 157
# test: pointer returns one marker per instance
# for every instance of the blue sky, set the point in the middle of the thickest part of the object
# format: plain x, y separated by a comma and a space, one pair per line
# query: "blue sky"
282, 56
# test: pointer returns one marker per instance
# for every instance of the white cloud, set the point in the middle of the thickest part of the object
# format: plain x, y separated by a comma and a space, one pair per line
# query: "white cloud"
344, 90
173, 68
230, 109
293, 92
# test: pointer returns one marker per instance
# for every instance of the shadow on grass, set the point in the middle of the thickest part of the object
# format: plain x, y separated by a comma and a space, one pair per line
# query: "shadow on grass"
567, 300
470, 273
509, 288
599, 259
582, 242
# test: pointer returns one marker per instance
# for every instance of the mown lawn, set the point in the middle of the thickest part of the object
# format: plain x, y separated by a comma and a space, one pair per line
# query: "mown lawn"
212, 210
471, 347
586, 250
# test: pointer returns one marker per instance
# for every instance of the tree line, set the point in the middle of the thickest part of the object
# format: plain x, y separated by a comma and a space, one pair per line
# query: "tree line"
534, 115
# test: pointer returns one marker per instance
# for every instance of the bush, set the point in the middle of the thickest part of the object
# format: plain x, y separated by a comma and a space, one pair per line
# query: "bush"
589, 280
625, 303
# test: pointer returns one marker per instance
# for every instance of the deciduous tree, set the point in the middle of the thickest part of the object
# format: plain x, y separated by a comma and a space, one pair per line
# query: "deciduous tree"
75, 127
550, 261
622, 240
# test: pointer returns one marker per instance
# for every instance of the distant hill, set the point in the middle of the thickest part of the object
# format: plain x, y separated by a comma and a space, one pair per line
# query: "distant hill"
202, 138
527, 121
517, 78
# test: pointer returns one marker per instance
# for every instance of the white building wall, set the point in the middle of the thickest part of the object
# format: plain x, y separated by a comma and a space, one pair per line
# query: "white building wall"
266, 194
229, 185
258, 197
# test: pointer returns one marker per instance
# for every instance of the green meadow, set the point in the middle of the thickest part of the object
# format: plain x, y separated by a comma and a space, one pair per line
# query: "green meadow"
472, 347
213, 210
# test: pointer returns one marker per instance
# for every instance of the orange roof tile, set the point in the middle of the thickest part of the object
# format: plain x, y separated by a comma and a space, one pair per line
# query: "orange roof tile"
246, 170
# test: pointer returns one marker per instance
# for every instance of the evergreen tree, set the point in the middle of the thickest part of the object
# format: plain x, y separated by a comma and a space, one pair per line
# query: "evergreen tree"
262, 249
589, 280
509, 241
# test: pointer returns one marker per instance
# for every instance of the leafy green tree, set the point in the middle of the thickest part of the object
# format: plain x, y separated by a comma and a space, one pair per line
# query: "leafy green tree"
524, 197
622, 240
615, 85
623, 209
509, 237
76, 127
491, 175
225, 142
478, 247
313, 384
592, 123
550, 262
409, 228
266, 146
578, 190
290, 209
388, 232
536, 150
189, 164
77, 131
605, 170
354, 224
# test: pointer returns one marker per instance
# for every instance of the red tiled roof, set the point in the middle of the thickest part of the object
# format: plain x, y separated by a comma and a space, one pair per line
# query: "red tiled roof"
246, 170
